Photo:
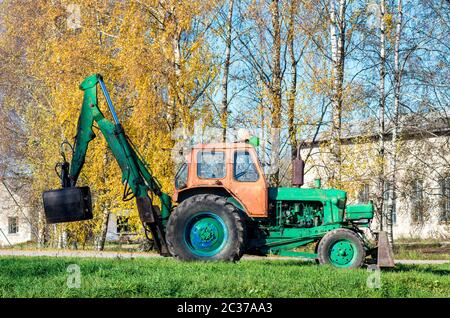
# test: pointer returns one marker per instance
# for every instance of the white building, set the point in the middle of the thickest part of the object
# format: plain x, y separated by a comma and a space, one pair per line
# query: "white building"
15, 219
119, 228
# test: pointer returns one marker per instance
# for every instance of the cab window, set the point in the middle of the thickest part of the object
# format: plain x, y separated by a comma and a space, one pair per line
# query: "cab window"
181, 177
244, 168
211, 164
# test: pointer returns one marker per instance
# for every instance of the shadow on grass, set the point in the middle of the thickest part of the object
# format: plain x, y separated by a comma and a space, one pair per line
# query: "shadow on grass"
281, 263
401, 268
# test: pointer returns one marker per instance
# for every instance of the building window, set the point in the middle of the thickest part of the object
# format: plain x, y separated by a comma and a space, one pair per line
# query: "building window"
13, 225
123, 225
363, 194
445, 199
417, 201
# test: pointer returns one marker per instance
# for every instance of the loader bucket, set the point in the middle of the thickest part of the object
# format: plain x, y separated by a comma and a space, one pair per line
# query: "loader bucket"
385, 255
67, 205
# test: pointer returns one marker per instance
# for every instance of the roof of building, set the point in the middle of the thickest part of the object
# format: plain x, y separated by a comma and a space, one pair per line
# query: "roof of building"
411, 127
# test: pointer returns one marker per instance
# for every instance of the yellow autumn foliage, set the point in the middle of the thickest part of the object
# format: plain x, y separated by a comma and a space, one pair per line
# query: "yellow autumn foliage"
58, 43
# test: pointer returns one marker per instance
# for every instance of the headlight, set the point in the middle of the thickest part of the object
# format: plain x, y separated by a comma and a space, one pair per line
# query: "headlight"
341, 203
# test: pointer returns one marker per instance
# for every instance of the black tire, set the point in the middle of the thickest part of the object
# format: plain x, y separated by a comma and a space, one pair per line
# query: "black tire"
332, 237
315, 251
233, 247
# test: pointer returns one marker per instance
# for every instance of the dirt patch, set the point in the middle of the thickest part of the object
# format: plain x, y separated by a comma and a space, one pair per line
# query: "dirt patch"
435, 250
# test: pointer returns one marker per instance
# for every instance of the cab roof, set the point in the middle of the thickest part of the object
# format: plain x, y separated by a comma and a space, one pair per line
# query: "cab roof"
223, 145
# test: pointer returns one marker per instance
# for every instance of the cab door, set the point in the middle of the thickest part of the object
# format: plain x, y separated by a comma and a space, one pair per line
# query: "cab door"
247, 182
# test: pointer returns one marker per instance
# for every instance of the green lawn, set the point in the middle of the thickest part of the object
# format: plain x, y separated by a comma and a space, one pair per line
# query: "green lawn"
47, 277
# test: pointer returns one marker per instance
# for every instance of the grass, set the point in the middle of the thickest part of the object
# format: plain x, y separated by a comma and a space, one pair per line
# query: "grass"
47, 277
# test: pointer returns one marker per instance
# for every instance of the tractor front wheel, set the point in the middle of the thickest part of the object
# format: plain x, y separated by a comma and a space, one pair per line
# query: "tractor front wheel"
341, 248
206, 227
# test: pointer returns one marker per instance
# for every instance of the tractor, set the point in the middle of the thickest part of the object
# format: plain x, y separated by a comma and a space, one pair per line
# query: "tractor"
222, 206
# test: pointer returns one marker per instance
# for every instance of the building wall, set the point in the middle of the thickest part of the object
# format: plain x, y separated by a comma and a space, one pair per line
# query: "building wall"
9, 209
427, 161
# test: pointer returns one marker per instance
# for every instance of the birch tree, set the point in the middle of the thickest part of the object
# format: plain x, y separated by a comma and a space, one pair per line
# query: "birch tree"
293, 85
381, 115
226, 70
337, 39
395, 130
276, 90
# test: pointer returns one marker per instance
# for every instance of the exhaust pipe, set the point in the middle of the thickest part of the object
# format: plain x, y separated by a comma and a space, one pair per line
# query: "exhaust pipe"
298, 169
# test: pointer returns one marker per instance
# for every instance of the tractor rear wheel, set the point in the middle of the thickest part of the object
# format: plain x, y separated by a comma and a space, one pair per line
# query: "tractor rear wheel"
206, 227
341, 248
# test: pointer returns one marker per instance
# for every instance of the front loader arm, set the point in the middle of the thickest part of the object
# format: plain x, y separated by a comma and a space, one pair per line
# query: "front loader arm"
135, 175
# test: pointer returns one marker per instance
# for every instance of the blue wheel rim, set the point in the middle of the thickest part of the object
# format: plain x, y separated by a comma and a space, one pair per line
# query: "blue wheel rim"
205, 234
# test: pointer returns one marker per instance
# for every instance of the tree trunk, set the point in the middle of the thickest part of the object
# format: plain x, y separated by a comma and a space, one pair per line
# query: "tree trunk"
55, 237
276, 92
41, 229
177, 72
381, 115
337, 37
226, 69
104, 229
393, 162
263, 145
63, 238
293, 86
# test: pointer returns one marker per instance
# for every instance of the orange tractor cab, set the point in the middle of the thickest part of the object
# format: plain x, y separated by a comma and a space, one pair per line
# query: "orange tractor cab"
228, 169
